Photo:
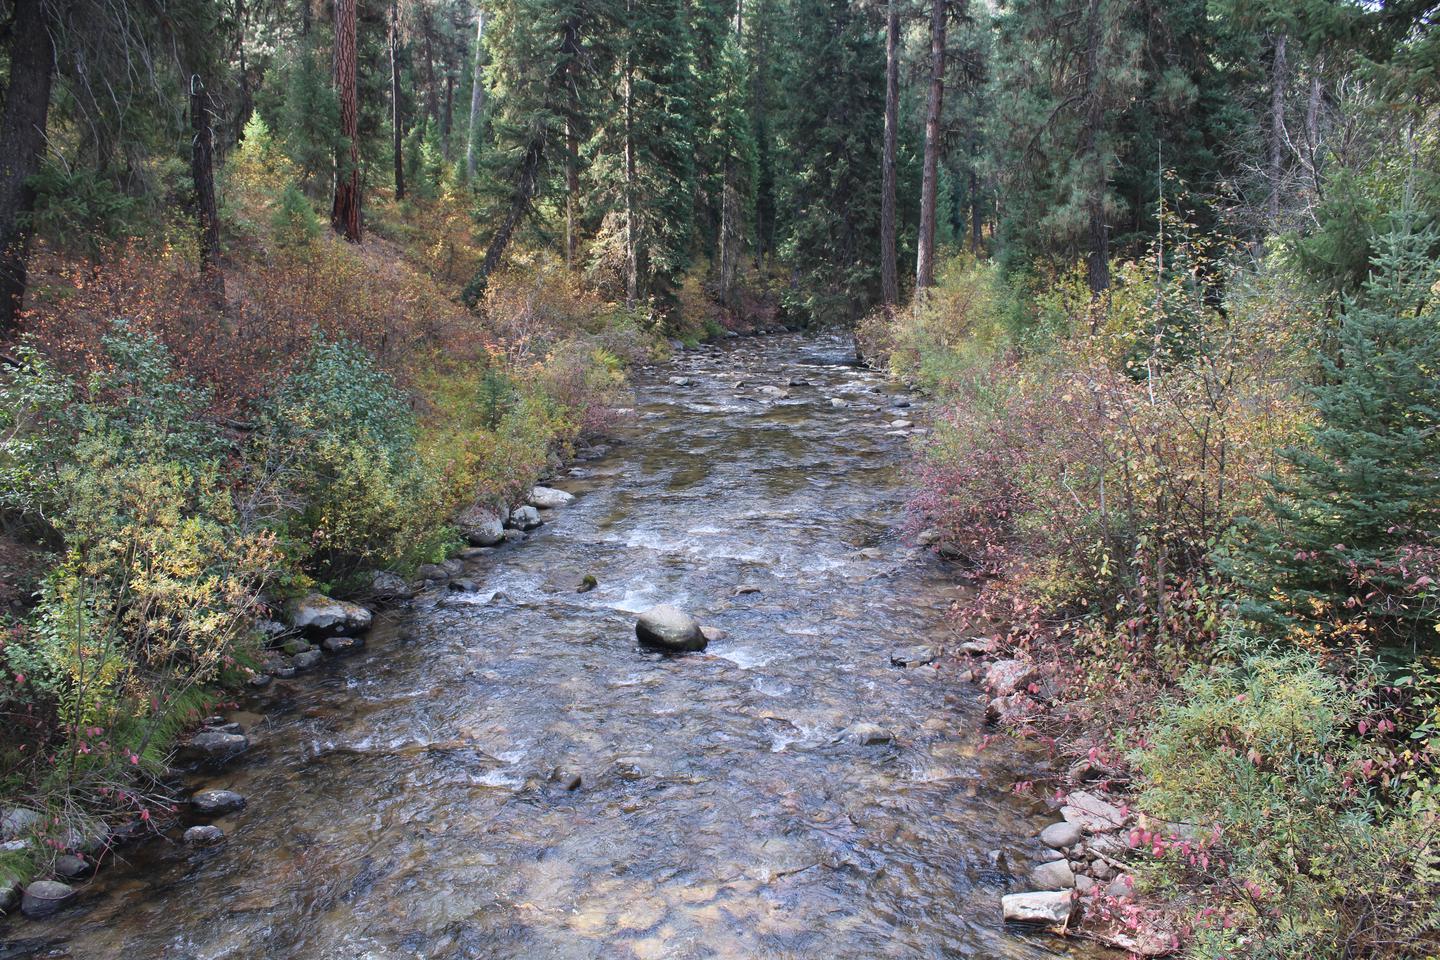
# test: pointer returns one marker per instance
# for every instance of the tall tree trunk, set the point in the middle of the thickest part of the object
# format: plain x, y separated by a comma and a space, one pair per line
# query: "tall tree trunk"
432, 100
889, 281
1312, 124
974, 212
522, 199
632, 252
731, 240
925, 255
449, 119
1278, 70
1098, 257
397, 118
345, 216
202, 175
572, 141
477, 96
22, 143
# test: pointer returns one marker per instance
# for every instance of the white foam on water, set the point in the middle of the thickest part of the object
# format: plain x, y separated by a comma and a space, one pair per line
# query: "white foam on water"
745, 657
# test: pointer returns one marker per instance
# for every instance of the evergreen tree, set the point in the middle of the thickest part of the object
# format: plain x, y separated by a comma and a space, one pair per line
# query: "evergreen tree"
643, 172
308, 123
1364, 496
830, 191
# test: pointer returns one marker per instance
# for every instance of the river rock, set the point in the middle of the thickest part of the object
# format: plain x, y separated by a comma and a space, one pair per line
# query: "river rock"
340, 644
71, 867
204, 835
548, 498
391, 586
481, 526
296, 645
1048, 907
525, 518
669, 628
779, 393
1092, 813
44, 897
1085, 885
307, 659
916, 656
979, 646
462, 585
19, 821
867, 734
216, 746
9, 894
713, 634
216, 803
1007, 676
1121, 888
1063, 834
1011, 709
316, 613
1055, 875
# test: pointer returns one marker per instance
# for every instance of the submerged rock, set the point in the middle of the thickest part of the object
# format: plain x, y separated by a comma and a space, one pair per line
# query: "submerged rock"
216, 803
204, 835
916, 656
669, 628
44, 897
318, 614
1047, 907
340, 644
215, 745
548, 498
867, 734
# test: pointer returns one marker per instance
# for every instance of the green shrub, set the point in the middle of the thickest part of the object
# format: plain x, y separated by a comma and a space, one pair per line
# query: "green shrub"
340, 438
1264, 752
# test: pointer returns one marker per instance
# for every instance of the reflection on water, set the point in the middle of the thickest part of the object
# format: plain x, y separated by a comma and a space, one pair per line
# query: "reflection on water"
414, 800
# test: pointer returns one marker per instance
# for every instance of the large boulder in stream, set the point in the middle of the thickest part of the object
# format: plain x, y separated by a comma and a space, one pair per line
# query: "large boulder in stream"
669, 628
318, 614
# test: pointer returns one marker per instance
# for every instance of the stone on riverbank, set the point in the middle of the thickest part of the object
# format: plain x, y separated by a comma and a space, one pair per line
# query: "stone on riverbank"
481, 526
1038, 907
1055, 875
669, 628
1063, 834
19, 821
307, 659
548, 498
1091, 813
204, 835
1007, 676
390, 586
44, 897
71, 867
316, 613
216, 803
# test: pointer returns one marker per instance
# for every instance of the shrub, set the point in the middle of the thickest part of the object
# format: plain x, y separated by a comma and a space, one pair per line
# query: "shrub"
340, 438
1263, 757
156, 587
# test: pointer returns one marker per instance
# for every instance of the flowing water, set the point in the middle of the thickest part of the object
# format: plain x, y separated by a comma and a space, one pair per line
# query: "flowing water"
413, 800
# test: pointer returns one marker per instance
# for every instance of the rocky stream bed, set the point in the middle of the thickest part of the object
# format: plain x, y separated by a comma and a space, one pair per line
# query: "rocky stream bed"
501, 771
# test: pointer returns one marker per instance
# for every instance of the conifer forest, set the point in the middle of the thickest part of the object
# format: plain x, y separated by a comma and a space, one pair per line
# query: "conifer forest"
719, 479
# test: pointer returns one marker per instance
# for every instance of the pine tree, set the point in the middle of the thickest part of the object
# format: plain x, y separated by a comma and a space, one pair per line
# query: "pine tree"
643, 172
1364, 495
830, 191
